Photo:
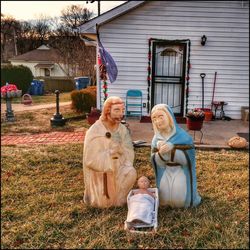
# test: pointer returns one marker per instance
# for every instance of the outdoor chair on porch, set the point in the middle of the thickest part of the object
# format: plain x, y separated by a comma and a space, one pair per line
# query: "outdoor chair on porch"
133, 103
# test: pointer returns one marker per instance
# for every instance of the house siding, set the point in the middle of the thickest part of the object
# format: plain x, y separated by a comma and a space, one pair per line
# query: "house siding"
226, 25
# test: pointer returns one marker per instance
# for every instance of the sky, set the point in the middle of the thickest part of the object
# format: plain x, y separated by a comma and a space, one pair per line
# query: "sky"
30, 10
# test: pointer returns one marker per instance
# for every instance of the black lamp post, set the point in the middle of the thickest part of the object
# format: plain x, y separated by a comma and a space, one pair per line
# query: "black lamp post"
58, 119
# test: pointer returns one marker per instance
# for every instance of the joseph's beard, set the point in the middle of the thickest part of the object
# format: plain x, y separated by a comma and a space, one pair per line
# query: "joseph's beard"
115, 119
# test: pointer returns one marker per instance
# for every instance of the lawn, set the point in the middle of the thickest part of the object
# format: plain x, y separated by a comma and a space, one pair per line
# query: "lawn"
38, 121
42, 204
47, 98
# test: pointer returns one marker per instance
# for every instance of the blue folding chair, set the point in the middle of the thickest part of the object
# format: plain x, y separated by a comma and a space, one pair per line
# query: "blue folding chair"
133, 103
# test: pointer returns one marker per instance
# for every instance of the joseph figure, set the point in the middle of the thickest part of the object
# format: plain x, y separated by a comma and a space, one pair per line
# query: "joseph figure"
108, 157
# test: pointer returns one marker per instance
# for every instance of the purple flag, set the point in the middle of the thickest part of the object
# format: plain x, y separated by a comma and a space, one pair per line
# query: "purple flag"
108, 61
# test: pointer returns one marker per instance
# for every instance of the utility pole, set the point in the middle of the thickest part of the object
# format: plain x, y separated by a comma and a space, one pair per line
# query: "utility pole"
98, 6
14, 33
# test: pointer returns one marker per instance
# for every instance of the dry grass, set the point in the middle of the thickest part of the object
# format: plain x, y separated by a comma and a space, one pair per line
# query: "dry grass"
42, 190
47, 98
38, 121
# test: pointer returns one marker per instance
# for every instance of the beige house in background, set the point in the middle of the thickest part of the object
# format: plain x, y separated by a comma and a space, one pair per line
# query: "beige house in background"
43, 62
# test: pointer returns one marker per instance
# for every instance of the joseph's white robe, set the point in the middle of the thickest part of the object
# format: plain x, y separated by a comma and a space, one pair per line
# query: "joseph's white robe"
107, 180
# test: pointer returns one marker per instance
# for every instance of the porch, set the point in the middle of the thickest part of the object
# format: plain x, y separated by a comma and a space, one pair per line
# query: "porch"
215, 133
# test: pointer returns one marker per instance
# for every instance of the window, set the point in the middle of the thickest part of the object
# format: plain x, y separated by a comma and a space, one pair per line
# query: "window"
47, 72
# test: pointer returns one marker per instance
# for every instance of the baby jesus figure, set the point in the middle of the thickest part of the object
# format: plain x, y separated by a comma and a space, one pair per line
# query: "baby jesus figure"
141, 204
143, 185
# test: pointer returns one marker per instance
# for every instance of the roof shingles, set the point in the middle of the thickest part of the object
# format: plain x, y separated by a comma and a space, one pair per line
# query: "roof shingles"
48, 55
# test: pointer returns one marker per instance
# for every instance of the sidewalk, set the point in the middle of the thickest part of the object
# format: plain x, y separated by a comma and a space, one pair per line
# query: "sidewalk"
43, 138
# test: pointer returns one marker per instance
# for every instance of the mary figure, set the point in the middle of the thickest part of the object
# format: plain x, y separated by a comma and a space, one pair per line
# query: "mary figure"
173, 160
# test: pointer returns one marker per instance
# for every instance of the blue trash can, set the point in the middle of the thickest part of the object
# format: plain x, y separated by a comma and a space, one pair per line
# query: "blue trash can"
32, 88
36, 87
40, 87
82, 82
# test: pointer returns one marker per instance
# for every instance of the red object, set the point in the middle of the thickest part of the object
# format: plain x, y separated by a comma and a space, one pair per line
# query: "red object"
194, 124
93, 118
208, 114
145, 119
99, 60
26, 99
215, 74
8, 88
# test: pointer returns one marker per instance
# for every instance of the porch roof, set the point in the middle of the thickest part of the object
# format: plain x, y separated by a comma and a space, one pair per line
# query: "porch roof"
44, 66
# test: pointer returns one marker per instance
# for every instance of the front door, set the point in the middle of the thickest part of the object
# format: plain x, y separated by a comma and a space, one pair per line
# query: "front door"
168, 75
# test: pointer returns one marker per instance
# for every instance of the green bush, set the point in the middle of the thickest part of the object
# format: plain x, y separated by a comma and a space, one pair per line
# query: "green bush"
84, 99
19, 75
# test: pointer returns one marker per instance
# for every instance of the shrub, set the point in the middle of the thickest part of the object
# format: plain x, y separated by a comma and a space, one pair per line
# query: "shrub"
19, 75
83, 100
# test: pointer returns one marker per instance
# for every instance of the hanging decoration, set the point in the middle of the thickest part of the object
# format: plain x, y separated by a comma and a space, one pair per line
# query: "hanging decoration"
149, 72
149, 78
103, 77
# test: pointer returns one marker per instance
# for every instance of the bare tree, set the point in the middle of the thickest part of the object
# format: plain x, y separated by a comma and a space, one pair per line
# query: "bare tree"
42, 28
78, 58
20, 37
75, 15
9, 29
59, 33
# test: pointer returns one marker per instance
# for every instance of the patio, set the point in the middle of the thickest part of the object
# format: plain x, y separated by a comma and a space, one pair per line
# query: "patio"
215, 133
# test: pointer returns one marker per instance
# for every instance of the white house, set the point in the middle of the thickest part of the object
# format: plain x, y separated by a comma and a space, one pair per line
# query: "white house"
43, 61
157, 48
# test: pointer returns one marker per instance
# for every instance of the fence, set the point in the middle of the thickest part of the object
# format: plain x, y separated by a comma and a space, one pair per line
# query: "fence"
62, 84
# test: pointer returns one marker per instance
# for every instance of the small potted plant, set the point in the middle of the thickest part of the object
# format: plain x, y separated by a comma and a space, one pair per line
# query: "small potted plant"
94, 115
195, 118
